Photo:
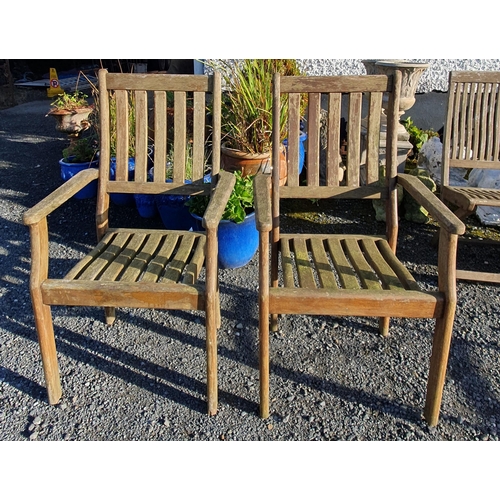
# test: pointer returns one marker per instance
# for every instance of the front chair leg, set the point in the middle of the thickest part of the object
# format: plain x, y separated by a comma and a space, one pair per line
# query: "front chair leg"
383, 326
110, 315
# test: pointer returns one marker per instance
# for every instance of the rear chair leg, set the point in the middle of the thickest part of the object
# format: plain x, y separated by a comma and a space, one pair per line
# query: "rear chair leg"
383, 326
110, 315
211, 332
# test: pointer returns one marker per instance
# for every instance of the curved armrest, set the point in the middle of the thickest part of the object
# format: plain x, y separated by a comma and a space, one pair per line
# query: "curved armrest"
262, 197
439, 211
220, 196
59, 196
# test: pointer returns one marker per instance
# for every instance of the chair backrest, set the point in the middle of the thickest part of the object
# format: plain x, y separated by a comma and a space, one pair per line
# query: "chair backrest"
359, 100
133, 109
471, 136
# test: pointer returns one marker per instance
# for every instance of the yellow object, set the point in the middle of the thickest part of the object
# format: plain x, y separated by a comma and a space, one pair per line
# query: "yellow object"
54, 87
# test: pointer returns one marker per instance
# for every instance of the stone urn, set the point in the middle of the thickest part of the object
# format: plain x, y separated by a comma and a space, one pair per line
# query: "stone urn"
71, 122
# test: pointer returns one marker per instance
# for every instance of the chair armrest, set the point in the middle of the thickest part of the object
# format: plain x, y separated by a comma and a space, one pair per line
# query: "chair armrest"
59, 196
439, 211
262, 200
218, 202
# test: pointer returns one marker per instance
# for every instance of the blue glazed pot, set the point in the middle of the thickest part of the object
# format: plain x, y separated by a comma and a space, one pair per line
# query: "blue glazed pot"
68, 170
302, 152
123, 199
238, 243
173, 211
146, 205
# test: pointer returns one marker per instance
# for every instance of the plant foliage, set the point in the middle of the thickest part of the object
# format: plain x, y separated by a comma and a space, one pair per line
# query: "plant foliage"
71, 101
239, 204
80, 151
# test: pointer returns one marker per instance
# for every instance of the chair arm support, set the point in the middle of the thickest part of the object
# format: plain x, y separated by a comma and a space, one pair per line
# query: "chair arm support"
59, 196
262, 199
439, 211
218, 202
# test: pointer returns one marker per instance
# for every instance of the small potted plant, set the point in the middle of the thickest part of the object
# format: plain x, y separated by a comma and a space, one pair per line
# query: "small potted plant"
80, 155
237, 234
71, 111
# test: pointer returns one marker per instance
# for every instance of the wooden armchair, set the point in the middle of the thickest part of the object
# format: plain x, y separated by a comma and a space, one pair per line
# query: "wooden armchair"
138, 267
340, 274
471, 140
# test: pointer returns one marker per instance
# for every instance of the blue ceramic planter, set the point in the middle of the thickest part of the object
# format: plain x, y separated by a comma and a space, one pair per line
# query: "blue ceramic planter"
238, 243
173, 211
146, 205
302, 152
123, 199
68, 170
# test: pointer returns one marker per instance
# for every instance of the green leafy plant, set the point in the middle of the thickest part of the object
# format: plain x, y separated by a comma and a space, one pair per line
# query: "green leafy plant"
247, 120
417, 136
71, 101
239, 205
189, 162
80, 151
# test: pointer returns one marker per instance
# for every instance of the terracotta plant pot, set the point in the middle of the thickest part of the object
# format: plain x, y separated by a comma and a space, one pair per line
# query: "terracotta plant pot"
249, 164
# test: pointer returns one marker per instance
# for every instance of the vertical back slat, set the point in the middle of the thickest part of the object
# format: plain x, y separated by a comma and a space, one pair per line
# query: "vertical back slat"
198, 135
496, 128
141, 135
459, 117
293, 134
490, 116
160, 152
333, 144
122, 135
470, 121
373, 137
313, 138
353, 139
179, 136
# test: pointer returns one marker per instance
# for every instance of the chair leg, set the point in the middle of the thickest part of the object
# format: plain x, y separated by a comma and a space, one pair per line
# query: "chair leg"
211, 332
383, 326
437, 370
274, 322
46, 340
110, 315
264, 365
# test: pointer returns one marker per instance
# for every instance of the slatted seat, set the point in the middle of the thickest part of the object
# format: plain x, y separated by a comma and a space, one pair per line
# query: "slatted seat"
135, 267
471, 140
347, 274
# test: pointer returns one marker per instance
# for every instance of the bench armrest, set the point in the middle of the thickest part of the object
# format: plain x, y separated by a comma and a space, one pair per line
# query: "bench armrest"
59, 196
262, 197
439, 211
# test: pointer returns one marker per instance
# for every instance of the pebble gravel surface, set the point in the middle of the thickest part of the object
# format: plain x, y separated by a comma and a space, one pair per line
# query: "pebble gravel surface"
143, 379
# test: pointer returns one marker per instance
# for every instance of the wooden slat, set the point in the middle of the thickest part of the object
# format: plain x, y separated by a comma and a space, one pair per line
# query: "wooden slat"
198, 135
293, 139
122, 135
323, 267
325, 84
179, 137
160, 152
380, 303
399, 269
157, 265
346, 274
333, 152
364, 271
138, 81
287, 263
193, 268
341, 192
385, 273
304, 267
119, 294
141, 135
373, 138
496, 129
174, 268
124, 258
142, 259
354, 140
313, 139
104, 259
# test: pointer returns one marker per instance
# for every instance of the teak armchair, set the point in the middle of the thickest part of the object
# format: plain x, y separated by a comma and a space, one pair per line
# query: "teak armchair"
138, 267
340, 274
471, 140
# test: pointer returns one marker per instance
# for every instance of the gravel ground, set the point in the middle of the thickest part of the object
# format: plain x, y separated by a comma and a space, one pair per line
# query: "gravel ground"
144, 378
